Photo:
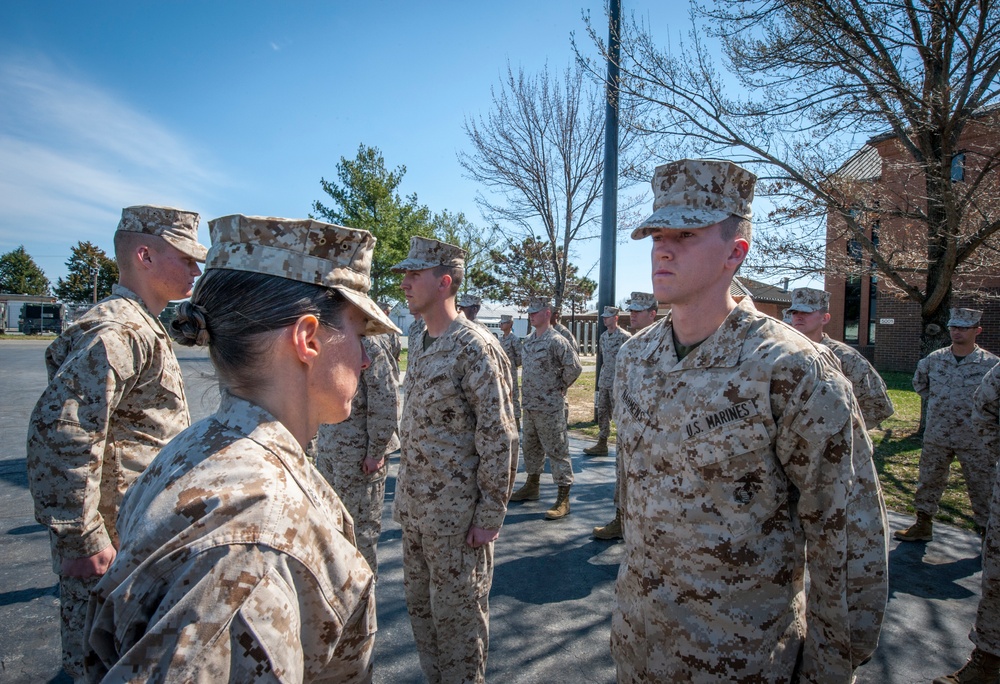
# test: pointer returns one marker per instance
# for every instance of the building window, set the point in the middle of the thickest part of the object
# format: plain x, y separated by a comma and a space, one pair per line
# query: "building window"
958, 167
852, 309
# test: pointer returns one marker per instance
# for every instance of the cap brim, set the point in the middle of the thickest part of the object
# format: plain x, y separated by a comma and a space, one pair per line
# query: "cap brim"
378, 322
679, 218
412, 265
193, 249
801, 308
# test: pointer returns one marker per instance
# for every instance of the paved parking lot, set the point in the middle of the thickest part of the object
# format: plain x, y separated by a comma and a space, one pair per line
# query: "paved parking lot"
553, 585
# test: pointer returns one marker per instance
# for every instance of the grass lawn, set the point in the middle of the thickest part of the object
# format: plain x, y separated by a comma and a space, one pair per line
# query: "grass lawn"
897, 448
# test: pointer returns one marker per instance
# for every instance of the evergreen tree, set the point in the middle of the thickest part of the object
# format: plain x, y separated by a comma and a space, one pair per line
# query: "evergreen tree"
19, 274
86, 261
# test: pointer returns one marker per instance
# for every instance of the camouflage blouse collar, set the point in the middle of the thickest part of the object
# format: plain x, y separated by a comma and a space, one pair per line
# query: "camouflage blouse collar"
260, 426
120, 290
722, 349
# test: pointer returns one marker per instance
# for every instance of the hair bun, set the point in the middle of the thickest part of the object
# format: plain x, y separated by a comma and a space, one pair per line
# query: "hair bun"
190, 327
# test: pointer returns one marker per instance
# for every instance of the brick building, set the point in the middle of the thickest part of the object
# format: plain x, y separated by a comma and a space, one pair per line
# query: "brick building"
884, 325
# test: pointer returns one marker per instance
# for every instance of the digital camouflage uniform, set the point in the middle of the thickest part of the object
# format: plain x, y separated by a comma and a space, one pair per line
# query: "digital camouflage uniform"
550, 367
370, 431
946, 387
568, 336
457, 462
869, 388
610, 343
413, 333
115, 398
237, 564
986, 417
737, 458
512, 347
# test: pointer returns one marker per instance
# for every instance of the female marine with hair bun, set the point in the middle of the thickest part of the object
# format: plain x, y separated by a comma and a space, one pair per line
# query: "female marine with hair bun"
237, 560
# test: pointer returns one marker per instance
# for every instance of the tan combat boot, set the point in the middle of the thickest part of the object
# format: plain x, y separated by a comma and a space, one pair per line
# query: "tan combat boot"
921, 531
560, 509
982, 668
529, 491
613, 530
599, 449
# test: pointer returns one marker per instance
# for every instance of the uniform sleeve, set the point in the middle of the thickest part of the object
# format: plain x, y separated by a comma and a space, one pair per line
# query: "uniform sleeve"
571, 367
815, 444
68, 440
383, 402
920, 383
516, 352
485, 384
986, 409
869, 389
238, 614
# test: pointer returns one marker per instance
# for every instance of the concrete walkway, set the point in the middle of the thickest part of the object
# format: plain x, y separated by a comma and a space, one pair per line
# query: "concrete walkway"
553, 585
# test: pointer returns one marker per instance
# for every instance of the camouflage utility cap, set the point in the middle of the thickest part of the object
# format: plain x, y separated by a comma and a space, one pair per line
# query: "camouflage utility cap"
506, 318
964, 318
470, 300
610, 311
536, 304
429, 253
697, 193
304, 250
176, 226
808, 299
642, 301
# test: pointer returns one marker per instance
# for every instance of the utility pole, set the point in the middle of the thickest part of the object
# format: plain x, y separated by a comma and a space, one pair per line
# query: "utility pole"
609, 199
97, 271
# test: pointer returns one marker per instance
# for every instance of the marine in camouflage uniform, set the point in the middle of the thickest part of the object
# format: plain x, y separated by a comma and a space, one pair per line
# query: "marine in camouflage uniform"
984, 664
115, 398
550, 367
812, 307
740, 451
610, 342
511, 344
413, 333
457, 461
567, 335
946, 384
238, 560
353, 455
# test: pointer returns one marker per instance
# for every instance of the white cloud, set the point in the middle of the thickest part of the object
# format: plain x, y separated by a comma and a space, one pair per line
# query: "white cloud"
72, 155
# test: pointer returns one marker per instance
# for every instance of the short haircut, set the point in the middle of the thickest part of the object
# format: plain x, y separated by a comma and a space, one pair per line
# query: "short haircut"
736, 226
127, 241
456, 273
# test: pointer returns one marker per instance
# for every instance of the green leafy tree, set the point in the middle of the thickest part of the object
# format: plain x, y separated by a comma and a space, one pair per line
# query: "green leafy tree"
457, 230
86, 261
19, 274
529, 269
366, 196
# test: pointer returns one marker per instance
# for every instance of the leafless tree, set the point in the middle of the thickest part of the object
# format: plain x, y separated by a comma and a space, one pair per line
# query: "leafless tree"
539, 154
794, 88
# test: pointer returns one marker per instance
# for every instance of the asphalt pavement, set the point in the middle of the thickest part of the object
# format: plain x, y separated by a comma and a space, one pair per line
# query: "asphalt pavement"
553, 585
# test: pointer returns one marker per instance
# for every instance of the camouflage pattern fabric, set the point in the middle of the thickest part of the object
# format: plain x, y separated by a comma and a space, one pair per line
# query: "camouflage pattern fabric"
74, 596
427, 253
237, 564
550, 367
714, 446
176, 226
610, 343
568, 336
946, 387
414, 335
369, 432
512, 347
869, 387
986, 415
545, 435
457, 462
115, 398
395, 345
447, 585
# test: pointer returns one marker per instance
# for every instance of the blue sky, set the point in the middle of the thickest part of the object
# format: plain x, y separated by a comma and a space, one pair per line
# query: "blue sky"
241, 107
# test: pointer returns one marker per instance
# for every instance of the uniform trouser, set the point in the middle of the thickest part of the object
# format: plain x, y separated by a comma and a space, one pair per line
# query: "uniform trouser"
978, 467
545, 435
986, 632
619, 481
447, 585
74, 595
363, 496
515, 395
605, 405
